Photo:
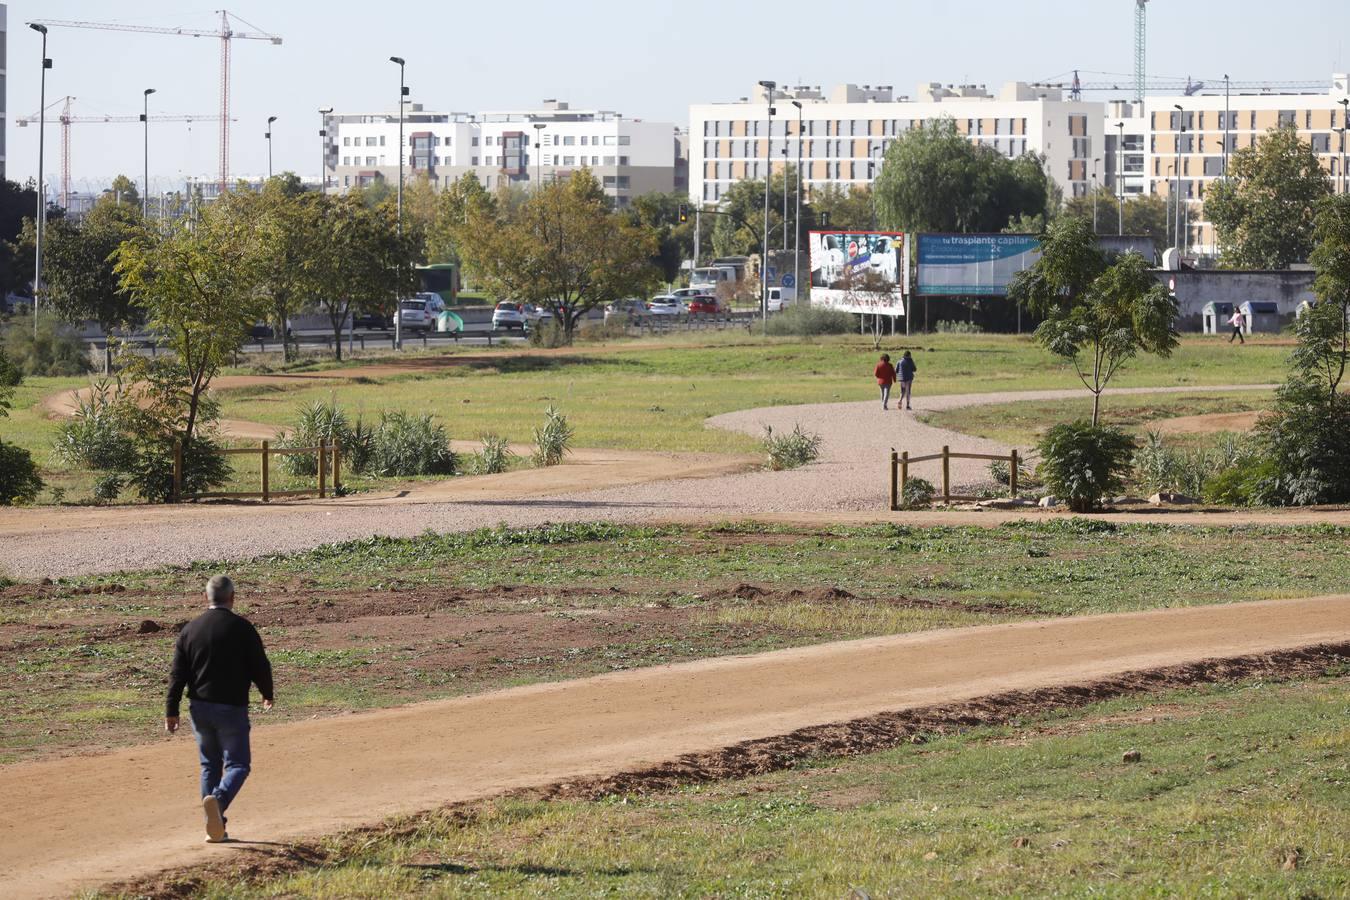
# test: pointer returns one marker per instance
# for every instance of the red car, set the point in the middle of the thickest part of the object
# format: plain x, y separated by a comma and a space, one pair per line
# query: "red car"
704, 305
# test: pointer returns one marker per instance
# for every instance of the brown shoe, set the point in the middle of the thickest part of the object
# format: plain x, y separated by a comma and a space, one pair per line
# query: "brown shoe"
215, 823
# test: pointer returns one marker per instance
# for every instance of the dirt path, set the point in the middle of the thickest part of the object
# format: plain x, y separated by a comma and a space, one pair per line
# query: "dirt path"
848, 482
78, 822
1209, 423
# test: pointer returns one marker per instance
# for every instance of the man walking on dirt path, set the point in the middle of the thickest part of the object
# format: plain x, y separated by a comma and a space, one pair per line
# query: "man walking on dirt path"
906, 371
217, 657
885, 374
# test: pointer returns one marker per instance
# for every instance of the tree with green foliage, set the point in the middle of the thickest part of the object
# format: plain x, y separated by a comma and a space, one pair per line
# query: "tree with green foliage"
452, 210
1324, 345
838, 208
78, 260
1264, 212
739, 226
1144, 213
660, 212
362, 261
18, 237
935, 179
562, 248
1106, 312
19, 479
123, 192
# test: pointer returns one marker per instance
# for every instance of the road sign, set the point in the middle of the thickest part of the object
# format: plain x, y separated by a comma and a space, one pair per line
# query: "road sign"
788, 280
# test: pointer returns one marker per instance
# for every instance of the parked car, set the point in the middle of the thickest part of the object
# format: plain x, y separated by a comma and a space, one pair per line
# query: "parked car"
633, 309
665, 305
688, 293
413, 315
372, 320
704, 305
779, 299
508, 315
536, 315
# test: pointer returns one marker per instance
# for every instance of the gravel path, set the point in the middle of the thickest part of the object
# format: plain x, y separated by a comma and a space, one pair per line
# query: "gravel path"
850, 476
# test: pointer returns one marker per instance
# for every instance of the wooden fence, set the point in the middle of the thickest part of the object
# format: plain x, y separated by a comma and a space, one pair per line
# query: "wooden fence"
329, 481
900, 463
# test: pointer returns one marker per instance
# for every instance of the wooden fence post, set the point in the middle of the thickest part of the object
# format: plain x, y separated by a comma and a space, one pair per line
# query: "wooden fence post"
337, 467
265, 460
323, 467
178, 471
895, 474
904, 474
1012, 473
946, 474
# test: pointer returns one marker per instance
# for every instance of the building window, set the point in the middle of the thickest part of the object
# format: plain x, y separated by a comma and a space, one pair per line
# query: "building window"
346, 142
609, 160
475, 143
569, 140
569, 160
623, 160
585, 141
475, 161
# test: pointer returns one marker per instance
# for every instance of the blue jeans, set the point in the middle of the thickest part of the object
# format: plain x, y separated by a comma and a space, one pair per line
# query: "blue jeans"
885, 395
222, 740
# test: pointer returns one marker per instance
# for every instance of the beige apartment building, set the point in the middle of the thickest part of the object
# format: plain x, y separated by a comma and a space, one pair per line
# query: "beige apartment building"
841, 138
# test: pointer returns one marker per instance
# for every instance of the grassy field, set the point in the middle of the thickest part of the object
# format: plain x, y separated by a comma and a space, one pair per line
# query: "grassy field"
655, 394
1241, 791
382, 621
1022, 424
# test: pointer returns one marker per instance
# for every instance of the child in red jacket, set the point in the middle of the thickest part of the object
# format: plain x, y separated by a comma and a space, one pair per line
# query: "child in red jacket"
885, 373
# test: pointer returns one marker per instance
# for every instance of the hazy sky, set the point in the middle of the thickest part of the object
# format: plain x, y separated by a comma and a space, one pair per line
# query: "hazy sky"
648, 59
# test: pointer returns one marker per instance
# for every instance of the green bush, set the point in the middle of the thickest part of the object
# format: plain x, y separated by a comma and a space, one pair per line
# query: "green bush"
1082, 464
917, 492
549, 334
54, 350
553, 441
108, 488
495, 457
1304, 438
315, 422
788, 451
611, 329
151, 474
1158, 467
998, 470
804, 320
97, 436
406, 444
19, 479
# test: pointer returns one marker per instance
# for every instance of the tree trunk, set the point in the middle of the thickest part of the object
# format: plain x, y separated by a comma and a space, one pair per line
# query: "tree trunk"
1096, 406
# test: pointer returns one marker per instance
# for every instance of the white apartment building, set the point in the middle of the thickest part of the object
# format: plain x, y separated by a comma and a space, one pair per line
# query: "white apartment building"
1159, 138
841, 138
629, 156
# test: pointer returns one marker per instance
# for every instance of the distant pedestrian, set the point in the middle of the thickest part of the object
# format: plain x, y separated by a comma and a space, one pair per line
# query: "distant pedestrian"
907, 370
1237, 321
885, 373
217, 656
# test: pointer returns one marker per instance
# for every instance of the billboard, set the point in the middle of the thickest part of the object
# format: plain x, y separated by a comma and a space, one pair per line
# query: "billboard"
973, 264
860, 271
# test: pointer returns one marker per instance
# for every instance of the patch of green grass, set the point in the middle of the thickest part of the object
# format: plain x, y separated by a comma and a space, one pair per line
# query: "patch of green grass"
1024, 423
1241, 791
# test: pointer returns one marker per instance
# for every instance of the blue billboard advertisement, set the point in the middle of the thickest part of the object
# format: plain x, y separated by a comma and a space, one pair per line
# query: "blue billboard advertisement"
954, 265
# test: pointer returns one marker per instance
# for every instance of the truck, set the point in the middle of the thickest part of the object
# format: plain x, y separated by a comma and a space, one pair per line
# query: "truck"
727, 270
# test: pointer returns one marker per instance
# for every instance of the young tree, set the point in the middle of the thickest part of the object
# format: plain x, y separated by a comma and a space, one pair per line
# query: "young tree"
675, 239
453, 206
562, 248
19, 479
362, 262
1324, 340
837, 208
123, 191
739, 226
1106, 313
1264, 213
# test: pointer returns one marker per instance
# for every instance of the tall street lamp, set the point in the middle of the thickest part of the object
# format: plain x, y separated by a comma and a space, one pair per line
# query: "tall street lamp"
1345, 111
323, 148
145, 118
538, 157
402, 92
1094, 194
1226, 117
797, 216
785, 187
41, 188
1120, 178
268, 135
768, 166
1181, 136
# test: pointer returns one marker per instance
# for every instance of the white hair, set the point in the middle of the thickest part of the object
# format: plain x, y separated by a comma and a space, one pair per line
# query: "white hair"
220, 589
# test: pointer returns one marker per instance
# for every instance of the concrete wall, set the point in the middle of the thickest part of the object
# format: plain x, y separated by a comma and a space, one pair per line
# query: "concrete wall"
1196, 287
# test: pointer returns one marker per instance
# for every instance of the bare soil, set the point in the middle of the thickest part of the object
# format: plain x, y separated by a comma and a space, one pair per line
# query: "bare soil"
1210, 423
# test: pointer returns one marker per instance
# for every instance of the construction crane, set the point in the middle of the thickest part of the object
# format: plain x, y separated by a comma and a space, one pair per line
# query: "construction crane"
1140, 36
226, 34
66, 120
1187, 86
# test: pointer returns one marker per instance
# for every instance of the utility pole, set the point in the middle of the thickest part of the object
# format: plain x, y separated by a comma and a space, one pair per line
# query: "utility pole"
1345, 123
768, 165
698, 233
797, 217
1181, 136
268, 135
398, 303
1120, 178
323, 149
1094, 194
1226, 116
538, 157
41, 188
145, 117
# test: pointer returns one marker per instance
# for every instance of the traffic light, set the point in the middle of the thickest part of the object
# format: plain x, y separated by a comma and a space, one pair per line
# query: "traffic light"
684, 213
824, 220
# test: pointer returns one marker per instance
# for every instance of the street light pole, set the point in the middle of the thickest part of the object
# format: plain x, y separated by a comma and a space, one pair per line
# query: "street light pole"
1345, 111
797, 216
538, 157
768, 165
1094, 194
323, 149
1181, 136
41, 188
145, 118
785, 187
268, 135
1226, 117
402, 92
1120, 178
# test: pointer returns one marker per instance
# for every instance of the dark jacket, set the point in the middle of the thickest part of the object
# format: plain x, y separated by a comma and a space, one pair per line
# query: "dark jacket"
907, 368
217, 656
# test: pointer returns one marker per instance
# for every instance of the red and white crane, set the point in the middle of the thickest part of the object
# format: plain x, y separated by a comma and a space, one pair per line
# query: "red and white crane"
226, 34
67, 119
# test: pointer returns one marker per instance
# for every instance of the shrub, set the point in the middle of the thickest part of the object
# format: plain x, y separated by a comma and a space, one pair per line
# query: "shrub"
495, 457
608, 330
788, 451
406, 444
19, 479
108, 488
1304, 440
553, 441
98, 435
151, 474
1158, 467
549, 334
804, 320
998, 470
1082, 463
54, 350
315, 422
917, 492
